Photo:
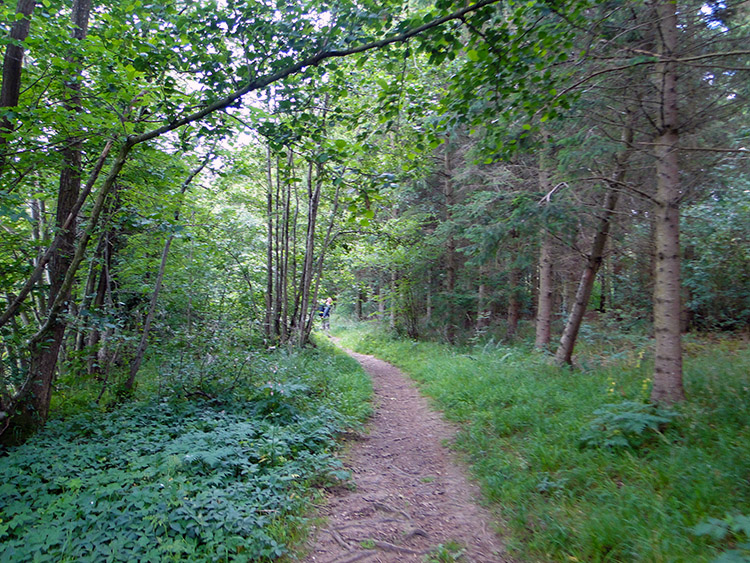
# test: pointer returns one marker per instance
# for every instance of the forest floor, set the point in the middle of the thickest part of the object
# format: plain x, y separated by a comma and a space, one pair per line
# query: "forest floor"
411, 500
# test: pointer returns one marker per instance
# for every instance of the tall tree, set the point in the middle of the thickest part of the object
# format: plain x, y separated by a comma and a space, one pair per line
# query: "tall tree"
667, 387
46, 345
10, 90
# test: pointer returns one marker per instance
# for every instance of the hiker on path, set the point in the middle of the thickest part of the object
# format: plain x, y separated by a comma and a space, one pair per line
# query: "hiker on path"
325, 313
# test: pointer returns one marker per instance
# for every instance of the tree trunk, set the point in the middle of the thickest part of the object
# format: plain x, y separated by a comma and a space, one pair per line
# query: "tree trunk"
278, 305
514, 304
285, 249
44, 353
564, 352
267, 323
483, 315
544, 300
320, 263
428, 306
359, 302
314, 191
394, 297
667, 387
103, 292
544, 304
13, 68
450, 251
135, 365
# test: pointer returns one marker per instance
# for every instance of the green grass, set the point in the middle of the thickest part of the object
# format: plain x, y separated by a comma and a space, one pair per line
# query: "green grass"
522, 421
219, 479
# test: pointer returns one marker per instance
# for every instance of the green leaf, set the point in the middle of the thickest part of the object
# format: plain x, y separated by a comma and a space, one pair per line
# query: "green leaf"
713, 527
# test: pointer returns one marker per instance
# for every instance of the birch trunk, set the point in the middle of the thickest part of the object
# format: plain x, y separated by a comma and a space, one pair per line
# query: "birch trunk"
269, 248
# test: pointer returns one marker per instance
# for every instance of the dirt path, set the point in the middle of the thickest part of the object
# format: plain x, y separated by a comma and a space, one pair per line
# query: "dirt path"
409, 496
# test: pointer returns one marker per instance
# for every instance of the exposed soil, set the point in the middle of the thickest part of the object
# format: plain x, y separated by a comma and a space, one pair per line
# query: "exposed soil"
410, 495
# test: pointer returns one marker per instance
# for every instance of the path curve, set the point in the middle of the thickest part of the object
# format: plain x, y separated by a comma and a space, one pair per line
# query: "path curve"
410, 495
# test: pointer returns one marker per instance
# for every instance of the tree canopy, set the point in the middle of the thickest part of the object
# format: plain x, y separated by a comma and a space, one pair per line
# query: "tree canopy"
452, 169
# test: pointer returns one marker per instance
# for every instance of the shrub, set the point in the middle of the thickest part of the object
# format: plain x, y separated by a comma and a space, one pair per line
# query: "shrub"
625, 425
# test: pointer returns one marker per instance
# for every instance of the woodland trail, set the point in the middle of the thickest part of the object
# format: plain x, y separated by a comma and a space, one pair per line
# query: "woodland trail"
410, 496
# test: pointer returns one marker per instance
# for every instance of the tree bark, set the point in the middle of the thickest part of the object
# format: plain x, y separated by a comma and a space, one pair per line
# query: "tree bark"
314, 191
544, 300
320, 262
667, 387
267, 323
450, 250
564, 352
10, 92
483, 314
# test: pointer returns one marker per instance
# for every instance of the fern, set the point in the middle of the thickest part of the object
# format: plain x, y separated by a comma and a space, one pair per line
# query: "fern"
734, 528
625, 425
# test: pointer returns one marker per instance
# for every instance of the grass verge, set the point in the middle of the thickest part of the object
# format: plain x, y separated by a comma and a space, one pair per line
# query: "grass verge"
579, 468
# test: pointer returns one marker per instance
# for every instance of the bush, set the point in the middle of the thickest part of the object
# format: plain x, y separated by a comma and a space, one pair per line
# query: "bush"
626, 425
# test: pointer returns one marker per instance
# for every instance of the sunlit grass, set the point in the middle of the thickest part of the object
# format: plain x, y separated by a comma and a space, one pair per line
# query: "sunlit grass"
521, 420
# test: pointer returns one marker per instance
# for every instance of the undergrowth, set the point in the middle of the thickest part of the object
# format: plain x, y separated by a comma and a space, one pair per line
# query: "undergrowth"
227, 477
578, 464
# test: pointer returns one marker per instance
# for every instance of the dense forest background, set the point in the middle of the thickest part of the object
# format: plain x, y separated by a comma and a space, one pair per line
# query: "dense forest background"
182, 183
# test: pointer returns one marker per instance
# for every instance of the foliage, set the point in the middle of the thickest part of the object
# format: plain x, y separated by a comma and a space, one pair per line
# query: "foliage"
625, 425
448, 552
520, 422
731, 527
221, 479
717, 265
